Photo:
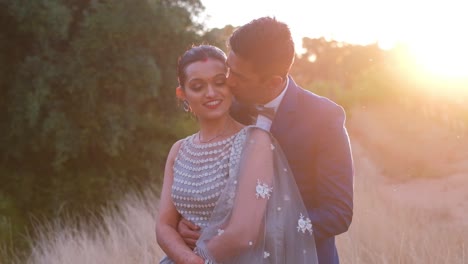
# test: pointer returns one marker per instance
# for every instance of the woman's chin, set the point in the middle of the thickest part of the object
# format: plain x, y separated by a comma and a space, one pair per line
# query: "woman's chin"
218, 115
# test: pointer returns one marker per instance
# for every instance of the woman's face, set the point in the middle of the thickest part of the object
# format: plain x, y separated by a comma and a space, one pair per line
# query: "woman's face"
206, 89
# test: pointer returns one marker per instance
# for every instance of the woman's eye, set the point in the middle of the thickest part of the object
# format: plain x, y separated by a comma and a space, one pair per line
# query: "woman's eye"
196, 87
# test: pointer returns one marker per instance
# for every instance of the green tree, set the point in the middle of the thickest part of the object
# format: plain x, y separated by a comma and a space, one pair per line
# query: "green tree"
87, 93
219, 36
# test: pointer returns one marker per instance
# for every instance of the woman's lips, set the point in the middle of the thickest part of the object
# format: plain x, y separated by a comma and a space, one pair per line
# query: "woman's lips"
213, 104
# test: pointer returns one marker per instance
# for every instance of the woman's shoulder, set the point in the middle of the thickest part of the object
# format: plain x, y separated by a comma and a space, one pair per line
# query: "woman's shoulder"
257, 130
257, 134
175, 149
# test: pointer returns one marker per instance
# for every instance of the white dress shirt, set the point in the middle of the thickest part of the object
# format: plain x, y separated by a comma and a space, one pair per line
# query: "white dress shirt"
265, 122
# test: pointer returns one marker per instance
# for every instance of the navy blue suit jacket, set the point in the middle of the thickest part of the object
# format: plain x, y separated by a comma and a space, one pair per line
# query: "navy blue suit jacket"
310, 130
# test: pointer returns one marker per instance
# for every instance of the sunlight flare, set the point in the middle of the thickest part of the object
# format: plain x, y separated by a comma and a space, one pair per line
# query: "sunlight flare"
449, 59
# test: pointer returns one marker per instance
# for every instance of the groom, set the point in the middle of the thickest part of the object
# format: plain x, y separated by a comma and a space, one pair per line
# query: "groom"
309, 128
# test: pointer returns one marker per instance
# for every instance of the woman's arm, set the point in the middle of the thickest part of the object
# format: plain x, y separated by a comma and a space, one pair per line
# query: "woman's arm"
244, 228
166, 225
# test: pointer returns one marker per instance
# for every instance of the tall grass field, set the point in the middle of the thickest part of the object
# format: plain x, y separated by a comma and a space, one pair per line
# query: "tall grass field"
389, 226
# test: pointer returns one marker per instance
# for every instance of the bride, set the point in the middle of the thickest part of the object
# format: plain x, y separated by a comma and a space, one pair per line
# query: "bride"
231, 180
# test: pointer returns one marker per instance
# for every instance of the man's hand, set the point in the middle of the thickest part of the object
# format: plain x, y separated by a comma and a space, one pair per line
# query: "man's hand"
189, 232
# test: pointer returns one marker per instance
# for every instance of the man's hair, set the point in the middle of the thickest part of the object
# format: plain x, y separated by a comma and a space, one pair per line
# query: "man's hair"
266, 43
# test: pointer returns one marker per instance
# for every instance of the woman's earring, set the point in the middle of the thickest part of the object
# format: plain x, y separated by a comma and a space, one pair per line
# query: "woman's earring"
186, 106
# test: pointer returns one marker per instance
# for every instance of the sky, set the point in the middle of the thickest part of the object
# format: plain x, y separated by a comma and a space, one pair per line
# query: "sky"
433, 29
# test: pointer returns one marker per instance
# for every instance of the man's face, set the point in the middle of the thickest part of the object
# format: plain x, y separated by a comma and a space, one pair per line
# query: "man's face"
246, 85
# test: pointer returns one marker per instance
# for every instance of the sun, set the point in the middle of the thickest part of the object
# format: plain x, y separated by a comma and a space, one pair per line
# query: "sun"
441, 65
437, 39
446, 58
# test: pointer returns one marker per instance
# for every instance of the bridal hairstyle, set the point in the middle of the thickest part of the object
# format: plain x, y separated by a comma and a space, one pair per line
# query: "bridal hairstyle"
267, 44
194, 54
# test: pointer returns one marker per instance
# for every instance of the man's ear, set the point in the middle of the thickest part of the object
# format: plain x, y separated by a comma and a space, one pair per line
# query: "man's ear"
275, 81
180, 93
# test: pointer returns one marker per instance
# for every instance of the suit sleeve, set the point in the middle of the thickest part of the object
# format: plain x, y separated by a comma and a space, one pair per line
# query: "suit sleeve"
334, 172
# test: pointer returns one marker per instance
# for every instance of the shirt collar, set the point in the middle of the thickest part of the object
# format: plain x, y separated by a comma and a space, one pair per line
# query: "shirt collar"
276, 102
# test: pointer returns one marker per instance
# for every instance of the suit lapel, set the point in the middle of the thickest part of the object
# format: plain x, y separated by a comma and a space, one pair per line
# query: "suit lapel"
285, 117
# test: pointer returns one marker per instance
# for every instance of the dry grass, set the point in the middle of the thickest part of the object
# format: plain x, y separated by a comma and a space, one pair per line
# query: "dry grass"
382, 232
125, 234
387, 231
390, 225
411, 204
408, 144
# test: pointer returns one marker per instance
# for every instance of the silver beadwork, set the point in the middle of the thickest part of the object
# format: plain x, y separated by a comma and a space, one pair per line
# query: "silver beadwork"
200, 175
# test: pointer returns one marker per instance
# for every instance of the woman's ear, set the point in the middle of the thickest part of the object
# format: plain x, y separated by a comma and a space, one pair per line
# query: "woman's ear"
180, 94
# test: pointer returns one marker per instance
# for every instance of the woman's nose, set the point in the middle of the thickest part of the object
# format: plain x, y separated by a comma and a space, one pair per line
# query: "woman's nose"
211, 91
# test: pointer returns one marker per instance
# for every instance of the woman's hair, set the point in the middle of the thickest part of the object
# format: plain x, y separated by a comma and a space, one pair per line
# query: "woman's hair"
194, 54
266, 43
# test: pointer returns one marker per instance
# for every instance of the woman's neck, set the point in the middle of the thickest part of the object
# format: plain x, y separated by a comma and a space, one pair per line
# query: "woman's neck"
211, 130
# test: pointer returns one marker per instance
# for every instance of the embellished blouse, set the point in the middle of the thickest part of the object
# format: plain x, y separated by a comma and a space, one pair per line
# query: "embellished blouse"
201, 171
249, 172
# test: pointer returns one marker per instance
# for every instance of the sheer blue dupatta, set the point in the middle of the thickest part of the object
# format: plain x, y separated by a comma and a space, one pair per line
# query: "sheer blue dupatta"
260, 216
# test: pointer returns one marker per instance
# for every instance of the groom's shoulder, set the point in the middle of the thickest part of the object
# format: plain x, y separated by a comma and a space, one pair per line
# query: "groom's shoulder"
321, 105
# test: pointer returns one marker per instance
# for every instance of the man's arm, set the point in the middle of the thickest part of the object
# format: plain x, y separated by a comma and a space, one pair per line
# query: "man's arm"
189, 232
334, 177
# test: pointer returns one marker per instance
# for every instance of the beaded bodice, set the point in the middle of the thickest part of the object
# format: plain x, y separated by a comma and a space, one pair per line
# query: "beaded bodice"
200, 174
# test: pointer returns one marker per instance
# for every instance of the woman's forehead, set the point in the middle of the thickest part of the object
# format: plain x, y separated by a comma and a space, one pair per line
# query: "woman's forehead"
206, 63
205, 69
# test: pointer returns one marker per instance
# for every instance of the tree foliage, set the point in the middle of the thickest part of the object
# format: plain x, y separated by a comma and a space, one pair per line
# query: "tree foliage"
330, 60
87, 99
348, 74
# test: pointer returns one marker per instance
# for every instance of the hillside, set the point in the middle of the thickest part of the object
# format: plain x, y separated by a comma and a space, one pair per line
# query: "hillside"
420, 162
411, 203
